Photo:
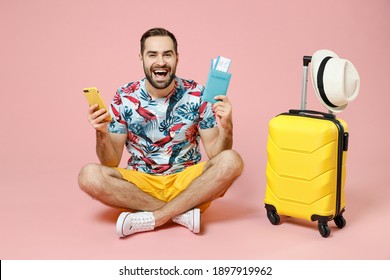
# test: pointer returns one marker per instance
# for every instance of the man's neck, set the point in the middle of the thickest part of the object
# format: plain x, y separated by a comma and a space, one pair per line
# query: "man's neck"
159, 93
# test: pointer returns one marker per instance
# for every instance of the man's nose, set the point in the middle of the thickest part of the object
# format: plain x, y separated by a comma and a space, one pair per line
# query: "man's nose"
160, 60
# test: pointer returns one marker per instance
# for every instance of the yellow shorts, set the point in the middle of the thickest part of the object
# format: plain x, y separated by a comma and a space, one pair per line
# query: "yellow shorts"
165, 187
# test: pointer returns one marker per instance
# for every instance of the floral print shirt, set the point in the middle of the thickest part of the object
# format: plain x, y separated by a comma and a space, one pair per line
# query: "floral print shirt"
162, 134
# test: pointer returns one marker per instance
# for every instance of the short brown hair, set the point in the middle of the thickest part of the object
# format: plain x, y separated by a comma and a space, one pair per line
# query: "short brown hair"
158, 31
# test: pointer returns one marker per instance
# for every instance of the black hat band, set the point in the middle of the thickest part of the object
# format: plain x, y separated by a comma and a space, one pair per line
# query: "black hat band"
320, 82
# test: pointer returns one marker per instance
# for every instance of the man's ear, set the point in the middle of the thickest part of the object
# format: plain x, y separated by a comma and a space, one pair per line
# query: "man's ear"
140, 59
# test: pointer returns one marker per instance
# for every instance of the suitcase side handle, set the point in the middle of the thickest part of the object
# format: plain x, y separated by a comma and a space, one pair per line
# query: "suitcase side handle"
311, 112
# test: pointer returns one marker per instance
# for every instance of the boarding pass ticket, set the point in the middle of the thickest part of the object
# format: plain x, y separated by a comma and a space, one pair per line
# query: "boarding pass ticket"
221, 63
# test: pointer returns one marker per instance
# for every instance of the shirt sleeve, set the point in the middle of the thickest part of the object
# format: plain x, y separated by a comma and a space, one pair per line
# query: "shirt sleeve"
118, 123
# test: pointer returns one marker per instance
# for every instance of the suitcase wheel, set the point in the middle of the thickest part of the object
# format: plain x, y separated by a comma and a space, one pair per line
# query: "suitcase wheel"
324, 229
273, 217
340, 221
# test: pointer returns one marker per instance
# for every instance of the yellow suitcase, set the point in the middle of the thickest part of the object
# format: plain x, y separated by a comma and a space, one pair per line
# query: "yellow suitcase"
306, 167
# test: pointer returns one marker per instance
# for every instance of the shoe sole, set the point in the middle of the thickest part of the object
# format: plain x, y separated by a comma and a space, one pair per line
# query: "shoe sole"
196, 221
119, 223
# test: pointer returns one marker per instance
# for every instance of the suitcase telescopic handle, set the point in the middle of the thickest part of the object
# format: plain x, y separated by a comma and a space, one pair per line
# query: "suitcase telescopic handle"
306, 61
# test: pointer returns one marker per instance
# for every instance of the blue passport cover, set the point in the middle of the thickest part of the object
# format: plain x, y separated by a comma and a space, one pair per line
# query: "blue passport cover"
217, 84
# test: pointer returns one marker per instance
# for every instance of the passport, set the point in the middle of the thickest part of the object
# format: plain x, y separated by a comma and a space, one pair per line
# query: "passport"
218, 79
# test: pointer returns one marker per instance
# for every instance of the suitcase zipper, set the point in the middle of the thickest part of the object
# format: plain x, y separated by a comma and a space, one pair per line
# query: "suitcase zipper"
341, 148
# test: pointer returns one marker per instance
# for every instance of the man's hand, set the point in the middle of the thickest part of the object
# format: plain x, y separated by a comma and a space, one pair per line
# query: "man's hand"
98, 118
223, 111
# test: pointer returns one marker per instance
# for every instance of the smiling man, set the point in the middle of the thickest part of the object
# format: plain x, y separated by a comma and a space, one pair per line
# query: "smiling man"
161, 121
159, 64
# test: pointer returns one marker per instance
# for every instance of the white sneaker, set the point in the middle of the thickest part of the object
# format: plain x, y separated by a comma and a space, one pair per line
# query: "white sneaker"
129, 223
189, 219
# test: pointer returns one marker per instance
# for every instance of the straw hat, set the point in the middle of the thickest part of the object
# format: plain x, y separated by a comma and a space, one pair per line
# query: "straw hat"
335, 80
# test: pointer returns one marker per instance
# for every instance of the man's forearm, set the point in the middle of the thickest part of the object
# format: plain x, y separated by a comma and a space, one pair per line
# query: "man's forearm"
223, 142
105, 150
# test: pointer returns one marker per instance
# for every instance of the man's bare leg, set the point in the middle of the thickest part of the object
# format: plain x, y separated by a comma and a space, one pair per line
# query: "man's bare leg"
107, 185
218, 175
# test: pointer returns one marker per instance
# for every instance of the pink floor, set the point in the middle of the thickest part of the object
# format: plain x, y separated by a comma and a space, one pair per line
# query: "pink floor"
57, 221
51, 50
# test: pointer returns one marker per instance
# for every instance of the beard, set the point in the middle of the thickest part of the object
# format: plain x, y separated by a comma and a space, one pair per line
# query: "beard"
163, 84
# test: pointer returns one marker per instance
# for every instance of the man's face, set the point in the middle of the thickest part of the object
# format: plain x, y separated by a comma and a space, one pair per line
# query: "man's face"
159, 61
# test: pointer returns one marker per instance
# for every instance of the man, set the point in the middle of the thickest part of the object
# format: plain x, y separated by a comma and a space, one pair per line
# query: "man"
161, 120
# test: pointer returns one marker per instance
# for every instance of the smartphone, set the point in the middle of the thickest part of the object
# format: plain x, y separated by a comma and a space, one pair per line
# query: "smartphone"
93, 96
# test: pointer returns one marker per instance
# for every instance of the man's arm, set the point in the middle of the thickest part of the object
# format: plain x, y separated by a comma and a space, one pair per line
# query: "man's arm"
109, 146
218, 139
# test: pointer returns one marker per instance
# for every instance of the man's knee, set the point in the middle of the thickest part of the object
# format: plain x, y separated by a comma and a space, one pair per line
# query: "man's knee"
235, 160
230, 162
89, 178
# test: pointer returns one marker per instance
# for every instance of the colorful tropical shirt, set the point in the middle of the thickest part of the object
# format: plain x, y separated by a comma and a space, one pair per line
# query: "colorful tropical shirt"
162, 134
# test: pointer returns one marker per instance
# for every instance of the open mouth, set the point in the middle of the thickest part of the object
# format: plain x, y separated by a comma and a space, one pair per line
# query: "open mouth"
160, 73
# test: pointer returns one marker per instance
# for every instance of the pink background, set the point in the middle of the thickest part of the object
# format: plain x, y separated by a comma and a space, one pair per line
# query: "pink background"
50, 50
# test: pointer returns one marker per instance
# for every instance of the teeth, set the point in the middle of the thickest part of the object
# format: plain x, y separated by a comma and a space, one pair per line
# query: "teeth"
160, 72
